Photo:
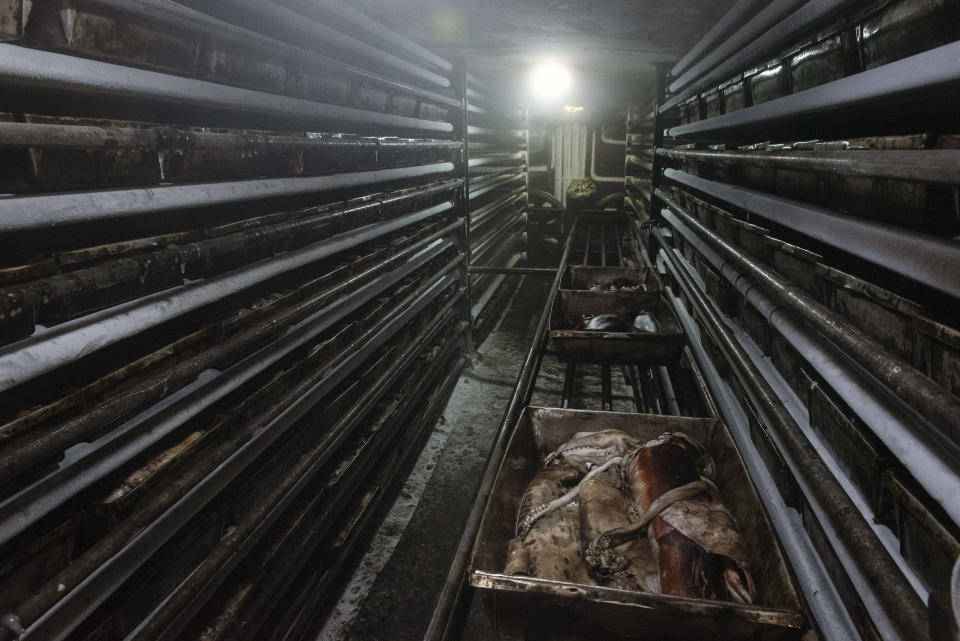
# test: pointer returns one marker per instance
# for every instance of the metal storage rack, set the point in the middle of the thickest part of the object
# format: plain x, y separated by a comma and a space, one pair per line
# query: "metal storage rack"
234, 293
808, 230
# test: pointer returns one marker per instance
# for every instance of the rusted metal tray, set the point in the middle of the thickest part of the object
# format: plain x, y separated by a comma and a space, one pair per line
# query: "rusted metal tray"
541, 608
661, 347
581, 277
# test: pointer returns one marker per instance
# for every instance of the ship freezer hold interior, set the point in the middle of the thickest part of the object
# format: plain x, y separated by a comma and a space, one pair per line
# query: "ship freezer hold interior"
501, 320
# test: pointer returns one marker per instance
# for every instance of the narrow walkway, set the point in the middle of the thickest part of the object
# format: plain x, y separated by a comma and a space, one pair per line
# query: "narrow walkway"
391, 594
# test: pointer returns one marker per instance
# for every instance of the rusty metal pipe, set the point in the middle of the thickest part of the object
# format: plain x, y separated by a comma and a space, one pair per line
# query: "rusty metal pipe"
925, 259
897, 597
918, 393
17, 459
66, 600
166, 621
889, 417
27, 359
941, 166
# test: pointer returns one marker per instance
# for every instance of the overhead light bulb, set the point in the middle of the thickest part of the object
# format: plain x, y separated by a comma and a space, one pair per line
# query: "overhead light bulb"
550, 81
574, 109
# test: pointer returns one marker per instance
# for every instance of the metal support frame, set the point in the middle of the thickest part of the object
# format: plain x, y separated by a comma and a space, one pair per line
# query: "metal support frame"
29, 358
462, 211
512, 271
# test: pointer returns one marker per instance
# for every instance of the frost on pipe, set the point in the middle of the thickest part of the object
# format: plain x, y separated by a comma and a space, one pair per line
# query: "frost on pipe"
38, 212
32, 357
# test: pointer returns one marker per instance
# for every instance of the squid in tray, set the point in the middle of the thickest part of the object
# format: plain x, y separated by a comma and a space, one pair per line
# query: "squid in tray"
608, 510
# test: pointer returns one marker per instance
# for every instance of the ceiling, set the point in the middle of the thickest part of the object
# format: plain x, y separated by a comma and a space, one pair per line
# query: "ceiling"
609, 37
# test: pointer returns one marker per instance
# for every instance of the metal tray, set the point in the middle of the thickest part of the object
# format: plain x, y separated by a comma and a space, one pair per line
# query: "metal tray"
539, 607
663, 347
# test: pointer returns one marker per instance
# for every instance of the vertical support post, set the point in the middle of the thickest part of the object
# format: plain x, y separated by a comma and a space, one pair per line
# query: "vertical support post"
657, 174
462, 210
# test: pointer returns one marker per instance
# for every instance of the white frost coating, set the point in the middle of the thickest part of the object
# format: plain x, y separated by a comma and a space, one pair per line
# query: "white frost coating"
33, 212
29, 358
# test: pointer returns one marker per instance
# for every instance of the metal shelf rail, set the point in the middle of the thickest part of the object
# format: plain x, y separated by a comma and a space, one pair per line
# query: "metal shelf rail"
234, 288
810, 234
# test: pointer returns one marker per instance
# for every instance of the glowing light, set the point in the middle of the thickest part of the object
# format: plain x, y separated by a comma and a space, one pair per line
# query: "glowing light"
550, 81
574, 110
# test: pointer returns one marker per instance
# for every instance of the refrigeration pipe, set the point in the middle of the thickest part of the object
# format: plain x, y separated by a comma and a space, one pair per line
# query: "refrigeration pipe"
60, 136
479, 215
761, 22
25, 360
168, 619
308, 603
509, 212
270, 16
930, 400
326, 305
765, 43
924, 259
732, 19
43, 212
481, 301
15, 299
930, 470
350, 15
118, 87
141, 432
902, 79
452, 594
177, 17
939, 166
316, 517
67, 599
898, 598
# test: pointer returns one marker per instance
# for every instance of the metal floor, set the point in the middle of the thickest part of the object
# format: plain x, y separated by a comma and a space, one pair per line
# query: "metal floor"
393, 588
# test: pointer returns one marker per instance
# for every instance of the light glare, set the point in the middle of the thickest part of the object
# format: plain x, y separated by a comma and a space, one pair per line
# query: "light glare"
550, 81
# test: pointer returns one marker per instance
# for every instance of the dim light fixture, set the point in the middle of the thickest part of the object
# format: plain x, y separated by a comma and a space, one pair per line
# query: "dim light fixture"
550, 81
